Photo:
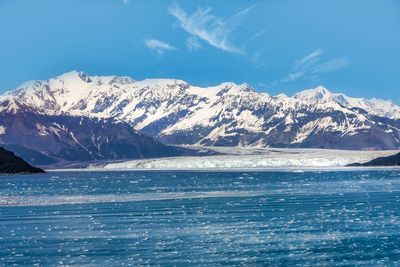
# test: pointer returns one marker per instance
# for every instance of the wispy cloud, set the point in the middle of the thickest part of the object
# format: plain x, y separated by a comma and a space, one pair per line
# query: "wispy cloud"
259, 53
158, 47
126, 2
253, 37
310, 59
331, 65
209, 28
193, 43
312, 64
293, 76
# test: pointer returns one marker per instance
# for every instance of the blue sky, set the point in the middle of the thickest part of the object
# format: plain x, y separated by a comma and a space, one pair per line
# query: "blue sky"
275, 45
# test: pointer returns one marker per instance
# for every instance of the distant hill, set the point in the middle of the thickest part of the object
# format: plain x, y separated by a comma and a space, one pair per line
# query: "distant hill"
10, 163
393, 160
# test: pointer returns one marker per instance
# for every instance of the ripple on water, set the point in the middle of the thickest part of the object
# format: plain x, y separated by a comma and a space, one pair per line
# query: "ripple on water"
201, 218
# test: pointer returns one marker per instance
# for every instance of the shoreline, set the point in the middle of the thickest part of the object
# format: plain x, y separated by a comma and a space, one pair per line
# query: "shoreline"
271, 169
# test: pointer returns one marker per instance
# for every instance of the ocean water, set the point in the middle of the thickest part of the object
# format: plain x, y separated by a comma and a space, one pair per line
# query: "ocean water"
201, 218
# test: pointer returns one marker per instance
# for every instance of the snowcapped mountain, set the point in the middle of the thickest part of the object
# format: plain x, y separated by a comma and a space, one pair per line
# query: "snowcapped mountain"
225, 115
321, 95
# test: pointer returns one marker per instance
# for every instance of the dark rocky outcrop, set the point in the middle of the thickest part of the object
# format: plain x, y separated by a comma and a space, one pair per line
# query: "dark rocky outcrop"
393, 160
10, 163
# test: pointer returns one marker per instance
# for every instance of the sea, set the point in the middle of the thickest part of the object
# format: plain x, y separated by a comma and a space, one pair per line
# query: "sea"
201, 218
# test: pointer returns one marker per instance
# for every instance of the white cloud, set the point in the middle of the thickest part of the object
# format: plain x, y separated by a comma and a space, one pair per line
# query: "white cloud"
158, 47
205, 26
126, 2
310, 65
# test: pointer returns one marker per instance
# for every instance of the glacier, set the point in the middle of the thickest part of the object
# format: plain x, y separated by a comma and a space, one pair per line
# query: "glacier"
251, 158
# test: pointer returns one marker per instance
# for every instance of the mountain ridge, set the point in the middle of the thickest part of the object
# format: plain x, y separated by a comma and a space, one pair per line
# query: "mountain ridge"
307, 95
47, 139
228, 114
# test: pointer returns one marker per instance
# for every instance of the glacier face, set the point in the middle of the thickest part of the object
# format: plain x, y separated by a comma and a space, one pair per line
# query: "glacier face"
247, 158
176, 112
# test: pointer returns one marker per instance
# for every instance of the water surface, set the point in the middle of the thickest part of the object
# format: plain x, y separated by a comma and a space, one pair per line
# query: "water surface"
201, 218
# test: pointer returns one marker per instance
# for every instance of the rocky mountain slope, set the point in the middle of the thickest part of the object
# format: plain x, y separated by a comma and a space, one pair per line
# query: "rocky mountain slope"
10, 163
175, 112
44, 139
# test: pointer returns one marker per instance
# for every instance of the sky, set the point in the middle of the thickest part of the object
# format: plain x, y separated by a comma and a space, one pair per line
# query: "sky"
276, 46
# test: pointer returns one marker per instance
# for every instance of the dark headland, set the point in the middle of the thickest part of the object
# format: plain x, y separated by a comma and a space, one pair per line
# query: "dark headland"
10, 163
393, 160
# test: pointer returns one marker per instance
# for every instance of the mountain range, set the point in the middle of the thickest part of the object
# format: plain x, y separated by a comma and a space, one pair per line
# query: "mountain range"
104, 117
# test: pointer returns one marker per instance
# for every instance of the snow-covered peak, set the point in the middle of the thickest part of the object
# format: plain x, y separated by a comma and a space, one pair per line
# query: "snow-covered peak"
74, 76
318, 95
177, 112
234, 89
321, 95
384, 108
161, 83
282, 96
124, 80
76, 92
245, 87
